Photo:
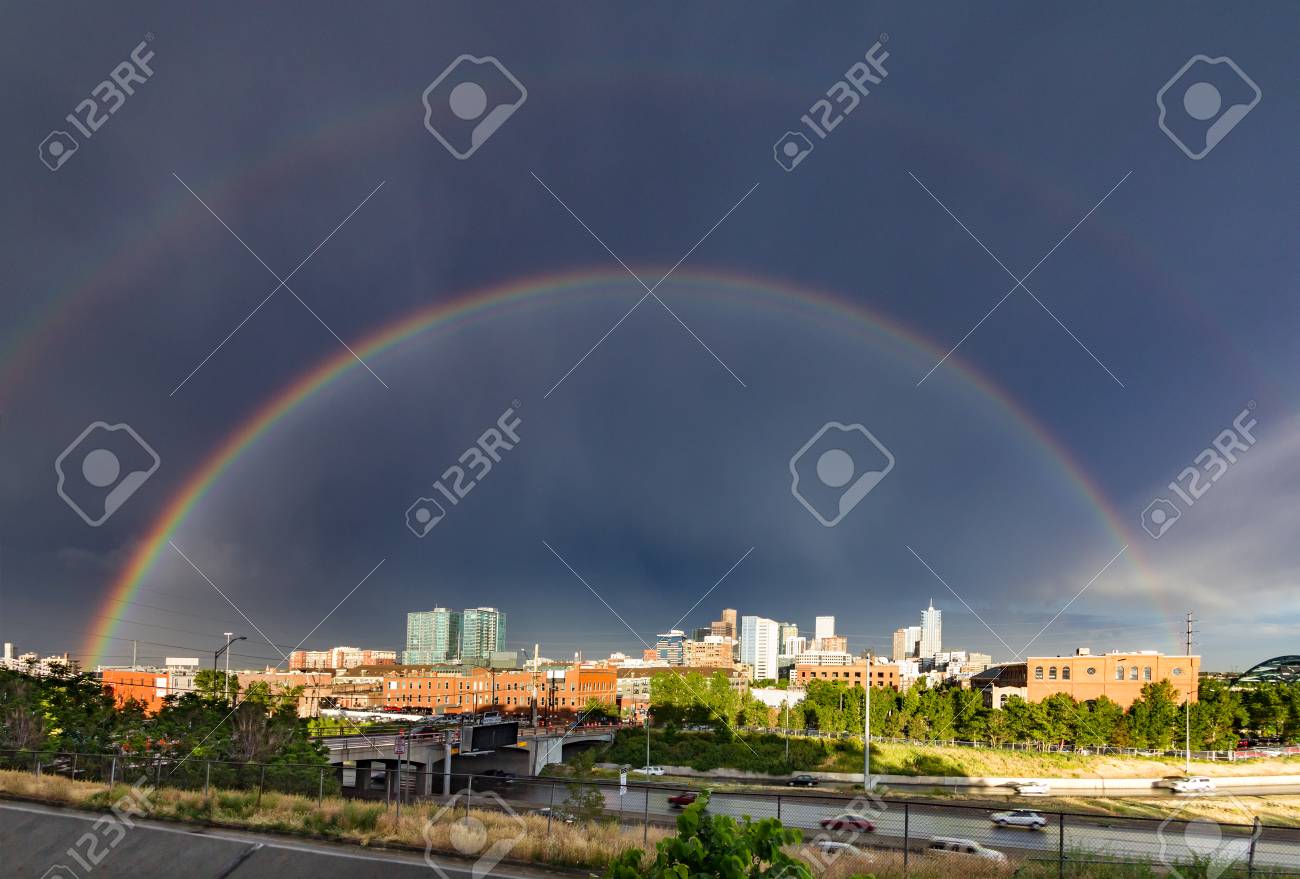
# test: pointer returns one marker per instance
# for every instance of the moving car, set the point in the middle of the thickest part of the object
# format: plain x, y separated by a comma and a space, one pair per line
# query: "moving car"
501, 776
649, 770
1192, 784
491, 717
848, 821
802, 781
1019, 818
1031, 787
951, 846
683, 799
556, 813
830, 850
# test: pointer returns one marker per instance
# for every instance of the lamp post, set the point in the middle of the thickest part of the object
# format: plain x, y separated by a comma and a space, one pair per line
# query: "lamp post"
225, 683
866, 729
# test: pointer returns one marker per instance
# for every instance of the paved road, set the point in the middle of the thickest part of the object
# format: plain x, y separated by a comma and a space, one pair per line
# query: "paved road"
1147, 840
35, 841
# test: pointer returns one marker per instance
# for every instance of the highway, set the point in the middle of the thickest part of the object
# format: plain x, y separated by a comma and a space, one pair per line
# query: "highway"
1144, 839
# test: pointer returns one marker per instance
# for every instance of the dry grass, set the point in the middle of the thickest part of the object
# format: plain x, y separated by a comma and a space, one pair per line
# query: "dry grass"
527, 836
997, 763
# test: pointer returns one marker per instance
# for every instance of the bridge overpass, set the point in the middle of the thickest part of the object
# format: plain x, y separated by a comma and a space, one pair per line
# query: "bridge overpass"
367, 765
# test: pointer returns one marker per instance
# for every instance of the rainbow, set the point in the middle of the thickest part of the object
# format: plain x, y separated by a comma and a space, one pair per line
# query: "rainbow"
534, 292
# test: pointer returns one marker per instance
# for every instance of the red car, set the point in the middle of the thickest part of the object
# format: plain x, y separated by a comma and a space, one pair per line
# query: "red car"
848, 821
682, 800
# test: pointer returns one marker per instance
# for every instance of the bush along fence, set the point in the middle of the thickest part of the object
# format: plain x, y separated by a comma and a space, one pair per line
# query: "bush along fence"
907, 830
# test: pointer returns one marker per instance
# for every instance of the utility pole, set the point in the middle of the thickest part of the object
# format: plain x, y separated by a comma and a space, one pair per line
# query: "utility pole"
647, 746
1191, 683
866, 728
535, 648
134, 645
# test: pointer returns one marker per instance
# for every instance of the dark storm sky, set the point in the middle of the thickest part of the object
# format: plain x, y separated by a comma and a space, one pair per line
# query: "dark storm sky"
664, 456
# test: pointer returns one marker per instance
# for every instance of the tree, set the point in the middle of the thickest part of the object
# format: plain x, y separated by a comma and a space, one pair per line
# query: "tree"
716, 845
1154, 717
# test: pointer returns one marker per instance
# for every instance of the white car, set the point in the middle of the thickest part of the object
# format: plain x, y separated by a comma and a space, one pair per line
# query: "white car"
649, 770
828, 851
1192, 784
1019, 818
1031, 787
951, 846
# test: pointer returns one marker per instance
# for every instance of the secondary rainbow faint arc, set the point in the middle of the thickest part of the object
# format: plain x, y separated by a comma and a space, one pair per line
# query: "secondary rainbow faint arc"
487, 303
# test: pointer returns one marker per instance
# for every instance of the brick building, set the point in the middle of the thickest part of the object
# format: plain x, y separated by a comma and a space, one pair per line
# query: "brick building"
880, 674
1118, 676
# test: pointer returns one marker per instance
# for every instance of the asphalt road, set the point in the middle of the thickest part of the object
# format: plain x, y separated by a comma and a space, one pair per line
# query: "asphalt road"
1174, 840
36, 841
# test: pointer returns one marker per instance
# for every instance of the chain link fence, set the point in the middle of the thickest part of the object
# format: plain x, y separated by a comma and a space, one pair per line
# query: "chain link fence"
879, 830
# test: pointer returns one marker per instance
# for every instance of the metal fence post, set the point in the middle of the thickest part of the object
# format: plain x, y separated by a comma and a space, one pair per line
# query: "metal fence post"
74, 766
261, 786
907, 836
112, 771
645, 818
550, 813
469, 792
38, 767
158, 770
207, 776
1254, 838
320, 791
1060, 845
778, 807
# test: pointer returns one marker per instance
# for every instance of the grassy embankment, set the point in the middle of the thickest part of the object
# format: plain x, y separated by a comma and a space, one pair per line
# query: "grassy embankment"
766, 753
343, 820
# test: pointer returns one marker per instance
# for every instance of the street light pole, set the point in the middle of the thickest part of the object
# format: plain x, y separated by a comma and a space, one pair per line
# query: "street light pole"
866, 729
225, 682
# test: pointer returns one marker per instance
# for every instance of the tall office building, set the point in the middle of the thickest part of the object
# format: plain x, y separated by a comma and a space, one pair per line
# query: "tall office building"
902, 648
670, 646
726, 627
784, 632
760, 646
483, 631
824, 628
432, 636
931, 631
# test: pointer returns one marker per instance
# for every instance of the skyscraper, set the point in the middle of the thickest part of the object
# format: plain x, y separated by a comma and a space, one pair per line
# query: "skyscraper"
901, 648
726, 627
483, 630
931, 631
760, 646
432, 636
824, 628
671, 647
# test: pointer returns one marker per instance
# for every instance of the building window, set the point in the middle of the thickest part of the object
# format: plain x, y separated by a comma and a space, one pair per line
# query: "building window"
1177, 670
1133, 673
1065, 673
1146, 673
1051, 673
1119, 672
1092, 670
1038, 672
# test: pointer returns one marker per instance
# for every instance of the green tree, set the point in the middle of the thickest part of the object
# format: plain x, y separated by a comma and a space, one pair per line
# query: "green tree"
716, 845
1154, 717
